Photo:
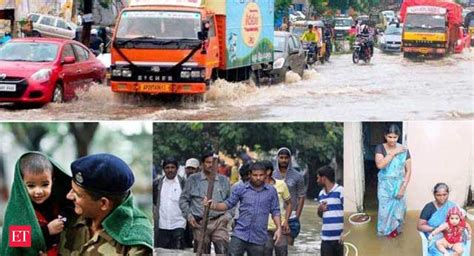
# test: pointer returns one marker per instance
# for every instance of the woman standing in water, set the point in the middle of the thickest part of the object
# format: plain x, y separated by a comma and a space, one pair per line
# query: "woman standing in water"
394, 162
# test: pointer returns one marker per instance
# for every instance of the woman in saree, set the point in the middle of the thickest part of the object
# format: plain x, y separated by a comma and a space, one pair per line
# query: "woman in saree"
394, 162
434, 214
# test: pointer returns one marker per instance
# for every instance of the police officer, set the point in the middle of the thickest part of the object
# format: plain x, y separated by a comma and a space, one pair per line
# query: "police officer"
107, 223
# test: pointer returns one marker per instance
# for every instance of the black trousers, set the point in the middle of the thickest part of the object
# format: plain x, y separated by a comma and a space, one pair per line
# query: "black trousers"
170, 239
331, 248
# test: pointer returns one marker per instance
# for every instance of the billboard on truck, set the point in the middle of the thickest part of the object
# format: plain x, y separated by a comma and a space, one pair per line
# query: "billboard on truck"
249, 32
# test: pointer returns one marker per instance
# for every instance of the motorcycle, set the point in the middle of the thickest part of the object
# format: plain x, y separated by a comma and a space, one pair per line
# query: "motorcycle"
311, 53
361, 51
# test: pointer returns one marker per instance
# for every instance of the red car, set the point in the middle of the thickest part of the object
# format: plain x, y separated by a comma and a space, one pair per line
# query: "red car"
42, 70
464, 41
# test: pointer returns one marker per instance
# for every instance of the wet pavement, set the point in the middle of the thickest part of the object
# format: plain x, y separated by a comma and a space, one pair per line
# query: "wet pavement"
308, 243
390, 87
364, 237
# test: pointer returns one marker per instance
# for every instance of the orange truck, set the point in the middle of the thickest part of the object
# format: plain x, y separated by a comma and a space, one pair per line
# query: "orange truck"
180, 46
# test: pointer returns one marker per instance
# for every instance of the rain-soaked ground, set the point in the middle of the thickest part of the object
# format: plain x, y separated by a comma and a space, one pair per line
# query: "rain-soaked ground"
390, 87
308, 243
364, 238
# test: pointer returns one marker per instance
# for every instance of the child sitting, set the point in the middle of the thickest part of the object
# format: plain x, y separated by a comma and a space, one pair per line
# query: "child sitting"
37, 173
452, 230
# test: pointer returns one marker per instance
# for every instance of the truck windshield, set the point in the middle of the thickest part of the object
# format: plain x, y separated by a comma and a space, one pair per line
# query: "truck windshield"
159, 25
425, 23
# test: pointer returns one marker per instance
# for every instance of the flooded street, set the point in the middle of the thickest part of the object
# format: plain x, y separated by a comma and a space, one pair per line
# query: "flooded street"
307, 243
390, 87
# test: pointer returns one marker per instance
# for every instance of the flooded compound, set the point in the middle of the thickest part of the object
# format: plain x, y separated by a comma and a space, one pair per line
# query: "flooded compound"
308, 243
389, 87
364, 238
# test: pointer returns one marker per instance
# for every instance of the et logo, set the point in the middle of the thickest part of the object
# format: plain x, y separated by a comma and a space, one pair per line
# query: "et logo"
19, 236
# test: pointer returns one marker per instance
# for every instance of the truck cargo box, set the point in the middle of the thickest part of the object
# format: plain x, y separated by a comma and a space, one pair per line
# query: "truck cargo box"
454, 9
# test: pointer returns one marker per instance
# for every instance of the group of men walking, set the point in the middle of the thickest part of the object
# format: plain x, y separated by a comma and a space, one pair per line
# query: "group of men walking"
258, 215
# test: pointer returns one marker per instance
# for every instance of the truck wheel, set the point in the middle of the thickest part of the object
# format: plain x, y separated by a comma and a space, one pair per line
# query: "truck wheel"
254, 77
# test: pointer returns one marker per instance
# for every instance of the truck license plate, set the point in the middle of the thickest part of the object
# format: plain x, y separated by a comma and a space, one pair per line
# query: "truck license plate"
152, 87
8, 87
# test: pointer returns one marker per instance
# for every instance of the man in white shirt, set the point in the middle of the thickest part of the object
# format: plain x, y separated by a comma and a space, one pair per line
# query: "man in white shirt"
169, 221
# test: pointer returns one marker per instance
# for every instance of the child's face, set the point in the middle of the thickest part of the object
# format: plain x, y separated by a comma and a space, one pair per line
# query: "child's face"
38, 185
454, 220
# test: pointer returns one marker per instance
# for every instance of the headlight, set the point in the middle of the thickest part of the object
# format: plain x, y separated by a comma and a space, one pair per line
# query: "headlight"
278, 63
459, 42
117, 72
126, 73
195, 74
42, 74
185, 74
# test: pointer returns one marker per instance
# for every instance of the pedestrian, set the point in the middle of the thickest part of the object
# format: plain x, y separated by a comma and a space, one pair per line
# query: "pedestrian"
257, 200
168, 219
331, 210
295, 182
108, 221
191, 167
284, 200
244, 172
191, 206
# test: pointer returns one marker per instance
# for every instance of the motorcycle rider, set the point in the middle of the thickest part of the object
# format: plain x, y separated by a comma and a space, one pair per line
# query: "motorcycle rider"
366, 36
310, 36
328, 37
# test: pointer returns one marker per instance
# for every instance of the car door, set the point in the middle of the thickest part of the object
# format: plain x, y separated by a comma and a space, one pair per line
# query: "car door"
298, 59
86, 65
64, 30
69, 73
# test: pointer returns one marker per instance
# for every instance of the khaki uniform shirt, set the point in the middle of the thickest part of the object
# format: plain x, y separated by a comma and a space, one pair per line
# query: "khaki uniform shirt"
77, 240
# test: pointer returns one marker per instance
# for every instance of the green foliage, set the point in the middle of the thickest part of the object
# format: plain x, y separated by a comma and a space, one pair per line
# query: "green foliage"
312, 142
339, 4
318, 7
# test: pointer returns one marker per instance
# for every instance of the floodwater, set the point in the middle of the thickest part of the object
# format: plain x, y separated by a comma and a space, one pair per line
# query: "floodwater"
308, 243
390, 87
364, 238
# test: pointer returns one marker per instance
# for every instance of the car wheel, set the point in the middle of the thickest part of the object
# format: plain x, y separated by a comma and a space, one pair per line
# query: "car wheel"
58, 94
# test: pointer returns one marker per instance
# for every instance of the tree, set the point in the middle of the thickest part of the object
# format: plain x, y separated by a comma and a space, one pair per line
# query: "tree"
86, 26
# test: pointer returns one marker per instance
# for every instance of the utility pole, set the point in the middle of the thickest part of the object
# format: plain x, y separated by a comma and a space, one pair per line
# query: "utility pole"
87, 25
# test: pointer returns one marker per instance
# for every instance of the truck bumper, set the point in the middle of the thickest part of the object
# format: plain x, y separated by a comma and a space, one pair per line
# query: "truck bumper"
158, 88
424, 50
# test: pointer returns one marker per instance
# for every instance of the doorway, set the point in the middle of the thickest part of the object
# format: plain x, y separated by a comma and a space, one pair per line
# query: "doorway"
372, 135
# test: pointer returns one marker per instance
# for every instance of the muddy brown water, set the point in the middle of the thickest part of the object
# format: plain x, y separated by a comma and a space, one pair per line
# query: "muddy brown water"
390, 87
364, 237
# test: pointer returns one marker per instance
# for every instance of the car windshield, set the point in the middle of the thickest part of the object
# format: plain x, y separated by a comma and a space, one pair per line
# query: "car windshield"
343, 23
279, 42
159, 25
29, 51
298, 31
471, 23
393, 30
425, 23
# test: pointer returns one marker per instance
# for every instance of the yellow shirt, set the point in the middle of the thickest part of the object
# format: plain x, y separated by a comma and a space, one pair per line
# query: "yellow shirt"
283, 195
234, 175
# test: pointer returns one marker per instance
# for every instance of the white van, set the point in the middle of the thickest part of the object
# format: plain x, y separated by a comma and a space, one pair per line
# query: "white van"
51, 26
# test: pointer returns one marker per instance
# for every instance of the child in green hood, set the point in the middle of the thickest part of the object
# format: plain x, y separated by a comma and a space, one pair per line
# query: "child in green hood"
37, 173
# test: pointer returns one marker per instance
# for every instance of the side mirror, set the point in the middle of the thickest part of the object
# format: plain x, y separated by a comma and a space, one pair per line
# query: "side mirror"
69, 60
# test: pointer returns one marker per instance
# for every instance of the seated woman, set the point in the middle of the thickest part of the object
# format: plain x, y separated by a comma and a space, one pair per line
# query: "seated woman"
434, 214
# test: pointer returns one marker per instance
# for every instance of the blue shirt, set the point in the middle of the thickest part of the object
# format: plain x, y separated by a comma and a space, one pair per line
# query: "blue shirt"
255, 205
333, 218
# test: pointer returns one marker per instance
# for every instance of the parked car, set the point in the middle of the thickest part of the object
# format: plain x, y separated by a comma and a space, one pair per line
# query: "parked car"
288, 55
391, 39
464, 41
389, 15
42, 70
51, 26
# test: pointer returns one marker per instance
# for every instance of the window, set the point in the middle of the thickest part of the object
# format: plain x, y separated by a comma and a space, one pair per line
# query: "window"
212, 30
293, 46
81, 53
34, 17
297, 42
47, 21
62, 24
67, 52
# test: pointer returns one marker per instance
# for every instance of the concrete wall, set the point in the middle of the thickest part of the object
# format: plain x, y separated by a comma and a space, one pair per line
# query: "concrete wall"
442, 151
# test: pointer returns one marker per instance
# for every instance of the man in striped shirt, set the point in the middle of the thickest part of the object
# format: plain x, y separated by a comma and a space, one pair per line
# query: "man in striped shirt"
331, 210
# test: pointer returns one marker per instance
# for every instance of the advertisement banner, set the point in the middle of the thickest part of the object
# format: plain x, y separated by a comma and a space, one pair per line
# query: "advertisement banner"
249, 35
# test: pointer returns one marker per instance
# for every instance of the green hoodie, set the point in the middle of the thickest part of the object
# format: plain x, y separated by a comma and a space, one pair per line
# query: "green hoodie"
20, 211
